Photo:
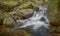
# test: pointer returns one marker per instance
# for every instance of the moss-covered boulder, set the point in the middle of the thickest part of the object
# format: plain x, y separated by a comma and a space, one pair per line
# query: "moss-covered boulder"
9, 22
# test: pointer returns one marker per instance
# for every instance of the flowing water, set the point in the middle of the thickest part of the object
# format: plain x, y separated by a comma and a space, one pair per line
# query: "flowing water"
39, 21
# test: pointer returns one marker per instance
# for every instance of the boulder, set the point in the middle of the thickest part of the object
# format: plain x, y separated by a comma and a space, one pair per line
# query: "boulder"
9, 22
26, 13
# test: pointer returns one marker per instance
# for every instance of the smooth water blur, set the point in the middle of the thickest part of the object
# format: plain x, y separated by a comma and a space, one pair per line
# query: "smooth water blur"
38, 20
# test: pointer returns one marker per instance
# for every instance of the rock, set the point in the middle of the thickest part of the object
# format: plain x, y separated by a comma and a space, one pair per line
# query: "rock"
27, 13
9, 22
22, 14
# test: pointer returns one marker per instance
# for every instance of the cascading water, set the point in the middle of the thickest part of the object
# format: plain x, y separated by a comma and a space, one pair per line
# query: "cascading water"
38, 21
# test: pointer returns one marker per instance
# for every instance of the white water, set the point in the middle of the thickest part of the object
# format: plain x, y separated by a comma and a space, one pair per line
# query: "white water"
35, 20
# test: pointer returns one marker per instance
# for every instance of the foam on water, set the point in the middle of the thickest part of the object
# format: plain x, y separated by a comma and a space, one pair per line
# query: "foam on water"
35, 20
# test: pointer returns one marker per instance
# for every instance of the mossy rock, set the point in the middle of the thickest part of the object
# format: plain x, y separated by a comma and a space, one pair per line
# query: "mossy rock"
9, 22
25, 13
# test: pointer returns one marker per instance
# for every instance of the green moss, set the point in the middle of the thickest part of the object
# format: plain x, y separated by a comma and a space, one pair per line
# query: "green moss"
9, 5
52, 10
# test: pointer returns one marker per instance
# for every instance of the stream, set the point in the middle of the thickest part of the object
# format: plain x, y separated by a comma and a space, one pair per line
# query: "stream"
38, 23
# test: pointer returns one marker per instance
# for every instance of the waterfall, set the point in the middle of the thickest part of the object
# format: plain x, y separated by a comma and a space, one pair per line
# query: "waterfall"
38, 20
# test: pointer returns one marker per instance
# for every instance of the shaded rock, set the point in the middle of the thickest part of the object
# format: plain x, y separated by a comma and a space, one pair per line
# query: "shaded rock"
27, 13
